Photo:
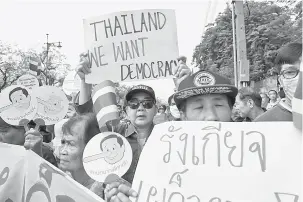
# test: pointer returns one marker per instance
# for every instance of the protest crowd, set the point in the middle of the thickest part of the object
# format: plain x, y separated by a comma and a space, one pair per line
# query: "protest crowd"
200, 95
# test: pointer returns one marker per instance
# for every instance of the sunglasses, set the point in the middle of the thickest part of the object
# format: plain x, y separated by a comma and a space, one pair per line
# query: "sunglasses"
147, 104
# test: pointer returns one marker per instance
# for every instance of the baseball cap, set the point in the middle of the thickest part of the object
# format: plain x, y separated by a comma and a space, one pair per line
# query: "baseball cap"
204, 82
140, 88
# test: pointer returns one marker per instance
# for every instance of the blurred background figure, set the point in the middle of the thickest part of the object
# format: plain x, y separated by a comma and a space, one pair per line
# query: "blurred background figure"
161, 117
273, 99
265, 100
235, 115
173, 112
248, 102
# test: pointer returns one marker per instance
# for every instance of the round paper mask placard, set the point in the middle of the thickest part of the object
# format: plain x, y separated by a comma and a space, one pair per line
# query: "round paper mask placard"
29, 81
107, 153
52, 104
17, 103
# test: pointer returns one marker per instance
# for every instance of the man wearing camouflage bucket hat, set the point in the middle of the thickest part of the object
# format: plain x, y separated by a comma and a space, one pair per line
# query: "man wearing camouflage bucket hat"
205, 96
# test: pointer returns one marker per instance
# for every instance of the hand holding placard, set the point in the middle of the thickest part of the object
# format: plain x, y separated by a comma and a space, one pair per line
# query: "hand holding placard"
33, 141
84, 66
123, 189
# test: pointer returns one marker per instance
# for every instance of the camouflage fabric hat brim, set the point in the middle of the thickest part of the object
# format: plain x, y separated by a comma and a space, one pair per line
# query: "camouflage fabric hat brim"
229, 90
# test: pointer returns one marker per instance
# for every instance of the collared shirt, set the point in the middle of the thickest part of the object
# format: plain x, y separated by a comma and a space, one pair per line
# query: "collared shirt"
129, 132
271, 105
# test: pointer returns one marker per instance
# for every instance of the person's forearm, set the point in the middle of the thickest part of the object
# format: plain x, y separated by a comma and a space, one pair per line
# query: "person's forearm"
85, 92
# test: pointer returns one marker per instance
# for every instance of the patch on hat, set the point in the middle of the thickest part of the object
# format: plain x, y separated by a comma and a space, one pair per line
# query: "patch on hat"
141, 87
204, 79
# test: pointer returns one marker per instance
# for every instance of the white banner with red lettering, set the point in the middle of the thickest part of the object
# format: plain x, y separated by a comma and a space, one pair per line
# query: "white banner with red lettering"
26, 177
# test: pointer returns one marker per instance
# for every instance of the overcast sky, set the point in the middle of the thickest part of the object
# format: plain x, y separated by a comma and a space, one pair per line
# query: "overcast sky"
26, 23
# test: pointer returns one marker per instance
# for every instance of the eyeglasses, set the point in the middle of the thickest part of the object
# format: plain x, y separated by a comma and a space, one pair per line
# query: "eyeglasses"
290, 74
147, 104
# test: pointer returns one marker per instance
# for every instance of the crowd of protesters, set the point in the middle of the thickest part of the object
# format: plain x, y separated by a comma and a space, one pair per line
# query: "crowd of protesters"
63, 144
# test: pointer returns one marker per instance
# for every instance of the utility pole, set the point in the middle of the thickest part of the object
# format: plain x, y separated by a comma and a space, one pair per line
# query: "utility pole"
242, 64
48, 45
234, 46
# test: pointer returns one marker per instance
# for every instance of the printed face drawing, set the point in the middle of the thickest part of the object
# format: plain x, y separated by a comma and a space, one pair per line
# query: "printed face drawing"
20, 98
53, 105
113, 149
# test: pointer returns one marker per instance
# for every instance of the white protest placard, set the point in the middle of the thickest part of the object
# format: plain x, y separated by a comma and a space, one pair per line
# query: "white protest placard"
107, 153
220, 162
131, 45
26, 177
29, 81
52, 104
16, 104
71, 83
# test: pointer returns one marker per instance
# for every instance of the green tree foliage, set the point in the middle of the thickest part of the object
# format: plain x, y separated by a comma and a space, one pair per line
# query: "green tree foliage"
14, 62
56, 67
268, 26
121, 90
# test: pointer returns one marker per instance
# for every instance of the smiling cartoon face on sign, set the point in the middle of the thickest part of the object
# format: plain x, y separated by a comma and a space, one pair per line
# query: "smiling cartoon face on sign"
20, 98
16, 103
113, 149
107, 153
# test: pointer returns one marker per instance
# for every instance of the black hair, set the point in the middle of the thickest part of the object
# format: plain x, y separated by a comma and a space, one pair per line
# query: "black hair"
281, 93
24, 91
163, 106
249, 93
170, 99
119, 140
88, 121
288, 54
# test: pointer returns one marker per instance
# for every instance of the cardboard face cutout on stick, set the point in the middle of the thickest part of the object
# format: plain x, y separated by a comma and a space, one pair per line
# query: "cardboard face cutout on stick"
17, 103
52, 104
107, 153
